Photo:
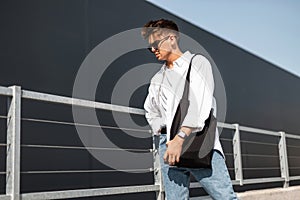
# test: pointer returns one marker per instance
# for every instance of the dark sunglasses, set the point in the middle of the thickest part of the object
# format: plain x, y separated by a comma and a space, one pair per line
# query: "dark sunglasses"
155, 44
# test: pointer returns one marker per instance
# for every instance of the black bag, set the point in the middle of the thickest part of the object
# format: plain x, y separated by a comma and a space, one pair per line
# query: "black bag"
198, 147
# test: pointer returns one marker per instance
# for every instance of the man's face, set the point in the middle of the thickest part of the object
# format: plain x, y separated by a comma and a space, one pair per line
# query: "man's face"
159, 45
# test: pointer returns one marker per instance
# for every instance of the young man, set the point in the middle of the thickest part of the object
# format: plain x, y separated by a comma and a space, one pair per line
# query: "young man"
165, 92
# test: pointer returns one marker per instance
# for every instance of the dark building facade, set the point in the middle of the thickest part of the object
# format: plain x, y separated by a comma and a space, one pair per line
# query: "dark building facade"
44, 43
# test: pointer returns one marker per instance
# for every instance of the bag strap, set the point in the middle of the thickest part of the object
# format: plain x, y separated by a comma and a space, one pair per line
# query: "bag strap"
187, 83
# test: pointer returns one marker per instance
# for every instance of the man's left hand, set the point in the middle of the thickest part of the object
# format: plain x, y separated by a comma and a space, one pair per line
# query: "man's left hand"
174, 148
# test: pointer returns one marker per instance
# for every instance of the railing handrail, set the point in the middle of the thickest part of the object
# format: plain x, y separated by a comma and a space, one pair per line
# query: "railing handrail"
13, 172
39, 96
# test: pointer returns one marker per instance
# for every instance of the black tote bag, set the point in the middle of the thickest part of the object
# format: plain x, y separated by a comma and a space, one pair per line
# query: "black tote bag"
198, 147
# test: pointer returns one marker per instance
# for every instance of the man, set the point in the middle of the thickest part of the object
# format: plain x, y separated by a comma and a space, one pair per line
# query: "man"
165, 92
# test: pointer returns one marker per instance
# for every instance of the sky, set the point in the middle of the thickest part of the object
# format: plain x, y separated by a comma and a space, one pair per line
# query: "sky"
269, 29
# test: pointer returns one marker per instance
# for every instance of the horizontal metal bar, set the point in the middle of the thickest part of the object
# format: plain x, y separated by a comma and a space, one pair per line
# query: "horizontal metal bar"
86, 171
249, 181
260, 131
293, 146
292, 136
225, 139
254, 142
92, 104
3, 117
65, 194
4, 91
197, 184
201, 198
79, 102
236, 182
5, 197
261, 168
2, 173
260, 155
87, 125
294, 157
3, 145
225, 125
294, 167
293, 178
262, 180
84, 148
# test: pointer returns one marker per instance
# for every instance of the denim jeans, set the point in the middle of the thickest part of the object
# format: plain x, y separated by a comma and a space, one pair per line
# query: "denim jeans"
215, 181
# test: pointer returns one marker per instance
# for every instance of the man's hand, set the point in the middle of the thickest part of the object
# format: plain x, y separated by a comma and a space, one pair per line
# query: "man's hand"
174, 148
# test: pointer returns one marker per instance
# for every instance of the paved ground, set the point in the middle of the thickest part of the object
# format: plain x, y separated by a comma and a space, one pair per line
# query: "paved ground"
290, 193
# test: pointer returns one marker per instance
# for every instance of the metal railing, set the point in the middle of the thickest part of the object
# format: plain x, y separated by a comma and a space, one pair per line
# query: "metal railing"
13, 146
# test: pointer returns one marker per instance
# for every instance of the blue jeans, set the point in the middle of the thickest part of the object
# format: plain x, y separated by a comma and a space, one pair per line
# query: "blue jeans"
215, 181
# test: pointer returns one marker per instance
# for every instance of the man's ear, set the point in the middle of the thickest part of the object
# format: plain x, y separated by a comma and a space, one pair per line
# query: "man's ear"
174, 43
173, 38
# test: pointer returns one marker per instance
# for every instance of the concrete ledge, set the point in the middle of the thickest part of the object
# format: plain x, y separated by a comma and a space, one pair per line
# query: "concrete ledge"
289, 193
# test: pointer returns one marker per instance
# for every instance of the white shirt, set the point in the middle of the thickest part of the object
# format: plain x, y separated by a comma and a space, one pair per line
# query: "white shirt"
166, 89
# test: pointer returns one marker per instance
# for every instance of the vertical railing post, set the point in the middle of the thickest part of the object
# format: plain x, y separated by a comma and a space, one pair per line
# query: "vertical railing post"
160, 195
283, 158
237, 155
13, 144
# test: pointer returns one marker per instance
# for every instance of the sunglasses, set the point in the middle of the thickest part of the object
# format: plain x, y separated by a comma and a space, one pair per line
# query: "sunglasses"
155, 45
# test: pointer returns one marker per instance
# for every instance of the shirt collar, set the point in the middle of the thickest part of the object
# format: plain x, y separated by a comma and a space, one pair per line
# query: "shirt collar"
184, 58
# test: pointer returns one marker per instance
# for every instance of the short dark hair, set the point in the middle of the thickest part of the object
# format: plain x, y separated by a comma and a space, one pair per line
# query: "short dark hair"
156, 25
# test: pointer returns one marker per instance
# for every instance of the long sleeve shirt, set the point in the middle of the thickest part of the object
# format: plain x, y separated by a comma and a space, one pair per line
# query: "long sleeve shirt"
166, 89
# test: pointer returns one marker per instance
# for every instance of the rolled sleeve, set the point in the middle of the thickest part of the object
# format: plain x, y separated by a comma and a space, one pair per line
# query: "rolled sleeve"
152, 112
